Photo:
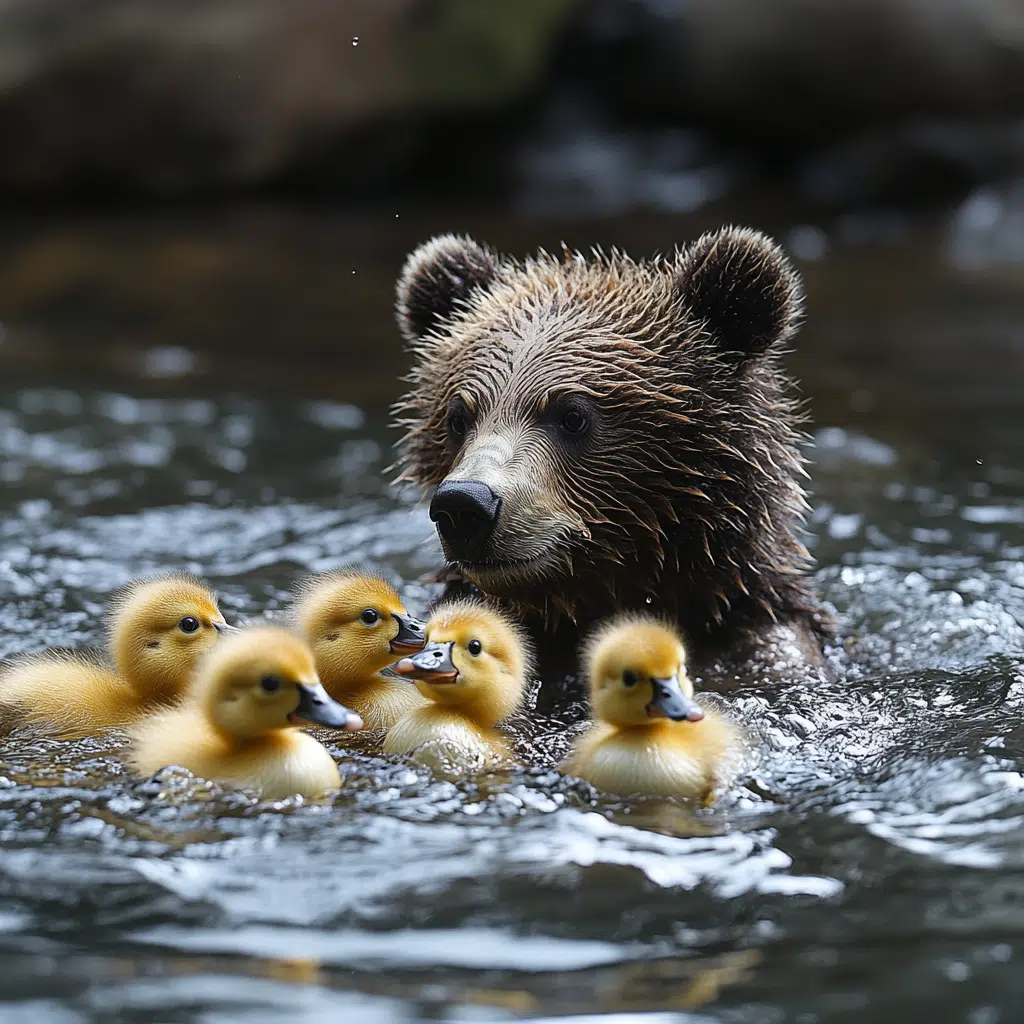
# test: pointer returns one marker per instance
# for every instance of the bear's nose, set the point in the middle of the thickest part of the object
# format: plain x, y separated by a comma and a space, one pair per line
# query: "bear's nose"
465, 512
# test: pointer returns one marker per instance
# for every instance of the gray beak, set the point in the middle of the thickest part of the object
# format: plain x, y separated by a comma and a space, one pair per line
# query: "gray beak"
669, 701
431, 665
319, 708
410, 636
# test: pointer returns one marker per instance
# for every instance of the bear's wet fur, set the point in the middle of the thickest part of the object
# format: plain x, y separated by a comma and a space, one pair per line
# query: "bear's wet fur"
630, 426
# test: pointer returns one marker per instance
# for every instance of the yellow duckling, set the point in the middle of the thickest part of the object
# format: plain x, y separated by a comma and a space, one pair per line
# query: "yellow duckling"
650, 736
473, 672
356, 624
239, 723
157, 629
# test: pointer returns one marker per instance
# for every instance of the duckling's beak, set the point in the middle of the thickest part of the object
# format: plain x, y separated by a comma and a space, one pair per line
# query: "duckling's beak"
432, 665
317, 706
411, 635
670, 702
223, 628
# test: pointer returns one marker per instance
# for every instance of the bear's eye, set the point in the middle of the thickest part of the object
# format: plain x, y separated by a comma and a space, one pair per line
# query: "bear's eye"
574, 422
369, 617
629, 678
459, 420
572, 415
474, 647
189, 624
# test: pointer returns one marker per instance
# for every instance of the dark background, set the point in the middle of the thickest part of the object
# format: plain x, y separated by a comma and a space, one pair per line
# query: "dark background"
225, 191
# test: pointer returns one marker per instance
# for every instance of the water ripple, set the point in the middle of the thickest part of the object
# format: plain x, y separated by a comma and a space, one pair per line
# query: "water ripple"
882, 810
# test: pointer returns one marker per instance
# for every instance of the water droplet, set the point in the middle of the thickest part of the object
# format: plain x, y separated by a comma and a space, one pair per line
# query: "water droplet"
355, 40
958, 971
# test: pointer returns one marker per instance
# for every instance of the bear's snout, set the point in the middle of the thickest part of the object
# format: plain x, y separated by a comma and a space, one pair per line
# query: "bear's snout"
465, 513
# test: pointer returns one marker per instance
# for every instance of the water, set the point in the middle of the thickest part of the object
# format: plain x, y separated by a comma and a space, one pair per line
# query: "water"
866, 866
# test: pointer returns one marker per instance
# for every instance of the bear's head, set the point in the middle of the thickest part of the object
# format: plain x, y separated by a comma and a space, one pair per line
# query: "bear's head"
602, 433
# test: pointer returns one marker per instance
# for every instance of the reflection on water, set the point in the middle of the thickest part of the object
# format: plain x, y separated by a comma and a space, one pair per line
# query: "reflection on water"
867, 864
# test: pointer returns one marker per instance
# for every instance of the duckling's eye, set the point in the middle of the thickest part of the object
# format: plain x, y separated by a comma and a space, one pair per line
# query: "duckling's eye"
270, 684
369, 617
475, 648
189, 624
629, 678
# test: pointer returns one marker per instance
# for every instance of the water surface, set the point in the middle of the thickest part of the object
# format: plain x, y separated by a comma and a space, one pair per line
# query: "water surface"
867, 864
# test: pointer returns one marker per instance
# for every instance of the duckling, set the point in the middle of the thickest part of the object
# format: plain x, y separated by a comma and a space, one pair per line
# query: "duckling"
157, 628
649, 735
356, 624
238, 723
473, 672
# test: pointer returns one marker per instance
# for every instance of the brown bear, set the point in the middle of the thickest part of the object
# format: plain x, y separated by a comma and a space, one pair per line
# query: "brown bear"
604, 434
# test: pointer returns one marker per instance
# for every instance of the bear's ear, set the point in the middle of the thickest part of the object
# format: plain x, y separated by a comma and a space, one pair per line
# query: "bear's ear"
742, 287
439, 275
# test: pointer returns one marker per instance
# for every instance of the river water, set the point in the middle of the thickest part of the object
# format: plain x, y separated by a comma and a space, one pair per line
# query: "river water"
868, 864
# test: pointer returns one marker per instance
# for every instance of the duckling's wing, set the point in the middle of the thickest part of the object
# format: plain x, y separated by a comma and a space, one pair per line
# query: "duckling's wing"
69, 693
176, 735
720, 743
583, 747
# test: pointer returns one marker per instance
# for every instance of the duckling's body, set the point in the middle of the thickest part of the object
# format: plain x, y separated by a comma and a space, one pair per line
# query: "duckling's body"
239, 725
459, 737
660, 760
649, 735
157, 628
279, 764
472, 672
356, 624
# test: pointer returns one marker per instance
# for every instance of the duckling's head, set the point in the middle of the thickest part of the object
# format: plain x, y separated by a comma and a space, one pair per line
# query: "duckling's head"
637, 672
262, 679
159, 628
475, 658
355, 622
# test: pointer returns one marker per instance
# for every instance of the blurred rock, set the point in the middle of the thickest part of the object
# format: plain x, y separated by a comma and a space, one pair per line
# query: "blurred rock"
811, 71
852, 101
606, 105
576, 163
987, 231
190, 96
